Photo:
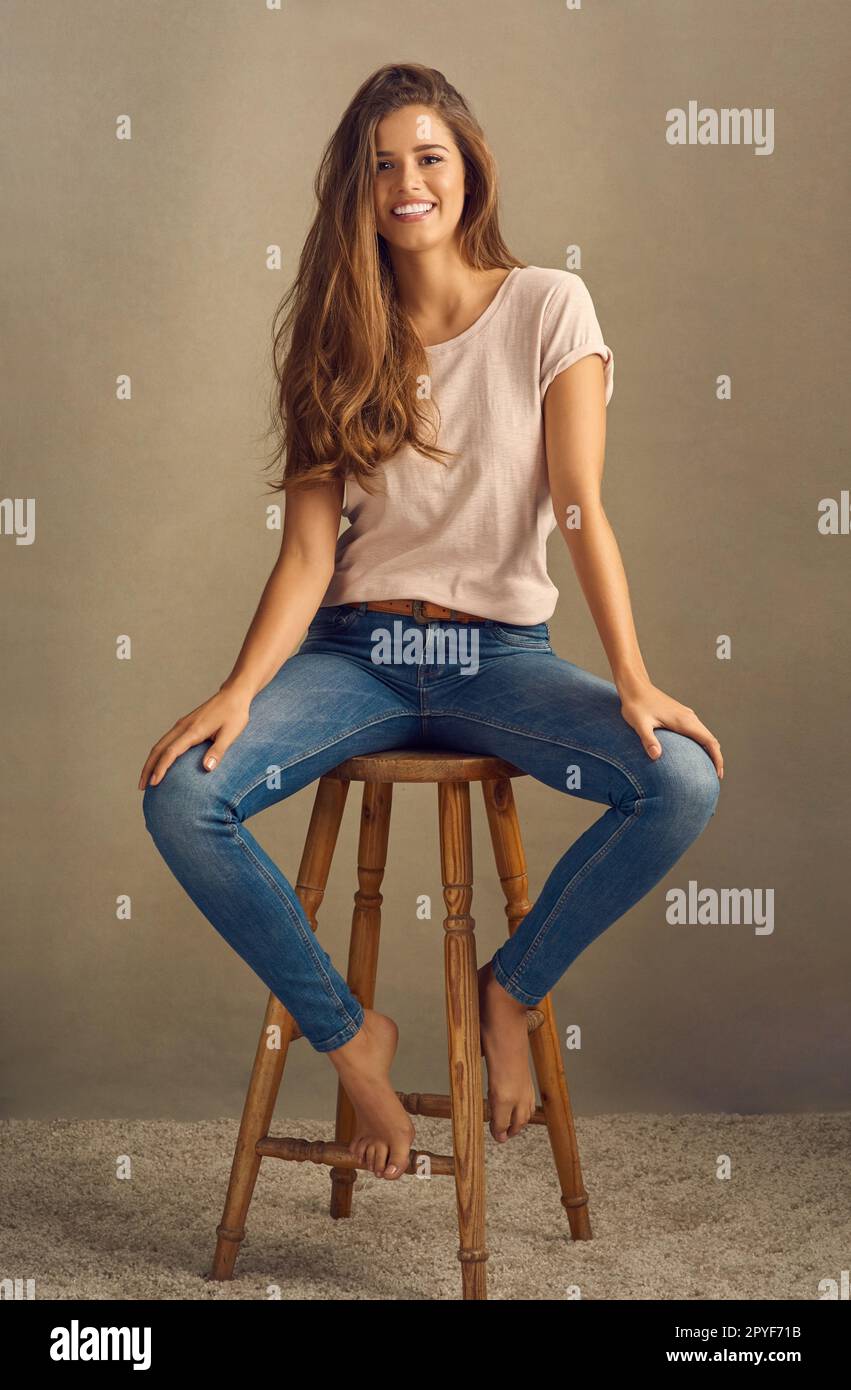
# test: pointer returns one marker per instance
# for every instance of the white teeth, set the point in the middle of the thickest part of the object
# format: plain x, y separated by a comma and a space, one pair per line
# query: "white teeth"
405, 208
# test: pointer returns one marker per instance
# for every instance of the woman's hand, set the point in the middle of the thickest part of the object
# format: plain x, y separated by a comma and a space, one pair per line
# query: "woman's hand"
221, 718
645, 708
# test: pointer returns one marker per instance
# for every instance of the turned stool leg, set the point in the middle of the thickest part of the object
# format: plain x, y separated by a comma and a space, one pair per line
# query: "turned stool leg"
546, 1053
269, 1061
462, 1023
363, 956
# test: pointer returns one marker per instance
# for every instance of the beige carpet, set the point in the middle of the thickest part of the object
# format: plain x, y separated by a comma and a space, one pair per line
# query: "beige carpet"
665, 1226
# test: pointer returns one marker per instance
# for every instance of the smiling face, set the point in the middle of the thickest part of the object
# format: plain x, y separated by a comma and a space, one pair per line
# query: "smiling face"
418, 179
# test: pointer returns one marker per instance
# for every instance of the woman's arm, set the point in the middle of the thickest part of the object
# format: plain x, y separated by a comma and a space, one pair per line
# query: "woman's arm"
289, 600
575, 433
293, 590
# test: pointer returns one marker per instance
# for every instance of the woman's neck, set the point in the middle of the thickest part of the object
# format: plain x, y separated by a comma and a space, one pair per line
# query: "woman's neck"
442, 295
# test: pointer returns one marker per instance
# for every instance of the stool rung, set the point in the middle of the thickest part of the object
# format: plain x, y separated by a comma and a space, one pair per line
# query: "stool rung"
440, 1107
338, 1156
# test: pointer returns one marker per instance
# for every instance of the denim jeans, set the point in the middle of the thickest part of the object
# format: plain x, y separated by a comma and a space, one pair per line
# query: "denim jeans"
488, 687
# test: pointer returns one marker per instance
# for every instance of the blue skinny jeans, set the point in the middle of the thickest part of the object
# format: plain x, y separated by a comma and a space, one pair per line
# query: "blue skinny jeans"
491, 688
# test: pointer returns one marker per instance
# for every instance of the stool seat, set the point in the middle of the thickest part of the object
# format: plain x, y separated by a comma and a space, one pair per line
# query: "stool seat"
464, 1105
423, 765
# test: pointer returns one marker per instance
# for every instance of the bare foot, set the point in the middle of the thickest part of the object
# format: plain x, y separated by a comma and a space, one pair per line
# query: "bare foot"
383, 1130
505, 1044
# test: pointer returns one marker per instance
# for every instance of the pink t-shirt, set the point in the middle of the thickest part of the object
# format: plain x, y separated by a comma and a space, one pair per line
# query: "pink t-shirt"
472, 534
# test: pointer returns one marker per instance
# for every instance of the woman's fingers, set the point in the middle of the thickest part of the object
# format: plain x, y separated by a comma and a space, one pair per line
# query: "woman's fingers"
183, 736
708, 741
152, 758
222, 718
225, 737
170, 746
172, 750
645, 733
688, 723
652, 709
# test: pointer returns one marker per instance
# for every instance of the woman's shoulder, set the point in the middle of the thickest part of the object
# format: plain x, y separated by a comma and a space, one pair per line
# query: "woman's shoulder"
549, 295
543, 283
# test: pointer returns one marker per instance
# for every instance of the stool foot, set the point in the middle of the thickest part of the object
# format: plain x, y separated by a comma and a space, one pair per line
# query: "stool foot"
577, 1217
342, 1183
227, 1249
474, 1283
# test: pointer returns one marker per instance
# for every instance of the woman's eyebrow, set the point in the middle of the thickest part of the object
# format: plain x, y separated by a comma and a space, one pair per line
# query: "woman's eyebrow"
385, 154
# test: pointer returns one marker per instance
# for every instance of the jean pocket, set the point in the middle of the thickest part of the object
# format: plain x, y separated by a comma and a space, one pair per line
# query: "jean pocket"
535, 636
335, 617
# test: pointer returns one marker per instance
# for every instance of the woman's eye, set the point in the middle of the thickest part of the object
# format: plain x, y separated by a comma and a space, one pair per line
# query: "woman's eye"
386, 163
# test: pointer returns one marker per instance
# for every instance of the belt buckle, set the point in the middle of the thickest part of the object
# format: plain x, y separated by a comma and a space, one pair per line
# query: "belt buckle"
417, 611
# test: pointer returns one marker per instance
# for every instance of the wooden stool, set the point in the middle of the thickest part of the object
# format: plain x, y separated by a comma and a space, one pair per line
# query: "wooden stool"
453, 773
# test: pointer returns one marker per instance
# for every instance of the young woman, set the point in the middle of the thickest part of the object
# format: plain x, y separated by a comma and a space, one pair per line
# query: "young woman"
450, 402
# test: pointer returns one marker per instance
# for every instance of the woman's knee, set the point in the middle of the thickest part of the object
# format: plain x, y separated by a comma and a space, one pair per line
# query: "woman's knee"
186, 798
683, 779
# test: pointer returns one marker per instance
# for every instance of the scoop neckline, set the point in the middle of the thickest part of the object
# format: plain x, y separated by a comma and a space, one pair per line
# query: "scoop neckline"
487, 314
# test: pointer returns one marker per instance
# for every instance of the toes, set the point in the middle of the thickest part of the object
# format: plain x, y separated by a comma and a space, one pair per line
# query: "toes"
380, 1158
517, 1122
500, 1120
400, 1157
521, 1116
509, 1118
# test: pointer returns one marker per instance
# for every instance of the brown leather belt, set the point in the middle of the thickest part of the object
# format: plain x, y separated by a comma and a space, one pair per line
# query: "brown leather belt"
422, 610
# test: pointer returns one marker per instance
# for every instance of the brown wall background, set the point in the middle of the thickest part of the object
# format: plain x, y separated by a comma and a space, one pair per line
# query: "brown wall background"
147, 257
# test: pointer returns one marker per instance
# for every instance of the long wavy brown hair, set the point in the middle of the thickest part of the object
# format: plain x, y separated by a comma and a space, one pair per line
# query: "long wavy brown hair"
346, 356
